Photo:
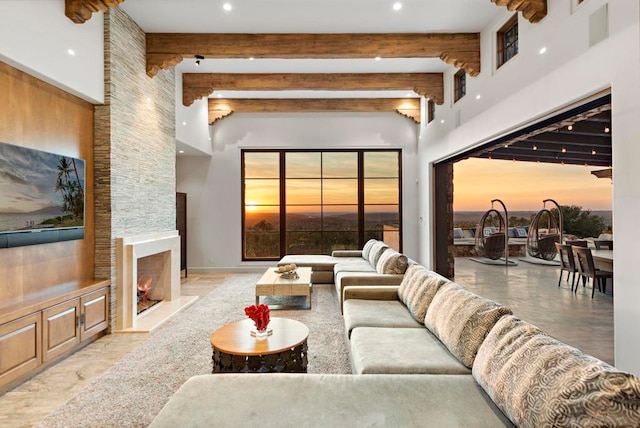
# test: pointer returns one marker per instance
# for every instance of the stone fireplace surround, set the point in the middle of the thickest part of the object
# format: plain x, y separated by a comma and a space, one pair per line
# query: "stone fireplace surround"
166, 248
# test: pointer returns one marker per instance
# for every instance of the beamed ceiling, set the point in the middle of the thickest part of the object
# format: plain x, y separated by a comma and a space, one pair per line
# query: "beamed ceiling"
359, 53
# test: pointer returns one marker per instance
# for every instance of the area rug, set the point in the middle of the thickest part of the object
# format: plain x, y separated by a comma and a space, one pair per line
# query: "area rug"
134, 390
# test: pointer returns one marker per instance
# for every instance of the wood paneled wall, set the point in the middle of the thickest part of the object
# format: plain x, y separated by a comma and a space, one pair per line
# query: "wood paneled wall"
38, 115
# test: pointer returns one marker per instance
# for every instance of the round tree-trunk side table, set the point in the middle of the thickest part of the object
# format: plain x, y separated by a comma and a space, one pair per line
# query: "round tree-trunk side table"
235, 350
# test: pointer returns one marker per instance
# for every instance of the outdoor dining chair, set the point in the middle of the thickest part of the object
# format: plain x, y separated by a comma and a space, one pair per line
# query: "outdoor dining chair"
586, 268
567, 263
603, 244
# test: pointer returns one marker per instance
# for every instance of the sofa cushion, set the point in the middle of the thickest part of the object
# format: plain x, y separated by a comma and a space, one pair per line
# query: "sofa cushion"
315, 262
376, 251
462, 320
538, 381
401, 351
326, 400
418, 288
376, 313
366, 250
353, 265
392, 261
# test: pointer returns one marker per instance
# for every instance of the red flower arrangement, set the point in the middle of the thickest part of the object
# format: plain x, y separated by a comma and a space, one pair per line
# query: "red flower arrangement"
259, 314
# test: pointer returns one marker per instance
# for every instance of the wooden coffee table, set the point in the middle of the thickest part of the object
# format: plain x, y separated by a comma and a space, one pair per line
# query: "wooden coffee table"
235, 350
272, 284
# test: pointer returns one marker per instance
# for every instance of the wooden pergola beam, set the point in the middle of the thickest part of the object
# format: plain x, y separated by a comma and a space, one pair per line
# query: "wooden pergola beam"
168, 49
221, 108
80, 11
532, 10
198, 85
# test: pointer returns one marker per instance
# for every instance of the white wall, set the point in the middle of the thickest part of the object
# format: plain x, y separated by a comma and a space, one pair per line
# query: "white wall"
35, 36
212, 183
535, 85
192, 130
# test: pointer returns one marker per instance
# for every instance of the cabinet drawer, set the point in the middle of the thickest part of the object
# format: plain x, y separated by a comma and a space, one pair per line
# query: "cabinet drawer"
60, 330
20, 347
94, 307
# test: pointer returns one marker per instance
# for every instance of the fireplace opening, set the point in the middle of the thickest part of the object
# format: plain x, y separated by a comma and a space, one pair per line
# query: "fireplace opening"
145, 286
151, 274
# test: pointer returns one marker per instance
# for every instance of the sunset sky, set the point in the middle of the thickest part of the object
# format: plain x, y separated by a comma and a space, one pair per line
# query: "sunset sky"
522, 186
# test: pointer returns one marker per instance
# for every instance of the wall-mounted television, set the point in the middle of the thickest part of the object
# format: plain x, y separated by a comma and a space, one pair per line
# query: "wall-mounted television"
42, 197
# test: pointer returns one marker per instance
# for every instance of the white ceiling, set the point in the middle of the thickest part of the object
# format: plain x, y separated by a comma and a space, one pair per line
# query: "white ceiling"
310, 16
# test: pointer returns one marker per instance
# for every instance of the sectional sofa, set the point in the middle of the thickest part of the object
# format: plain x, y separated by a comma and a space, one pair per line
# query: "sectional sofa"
375, 264
426, 352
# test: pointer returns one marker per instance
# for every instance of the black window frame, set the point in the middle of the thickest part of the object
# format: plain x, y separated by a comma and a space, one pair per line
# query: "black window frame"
362, 238
507, 41
459, 85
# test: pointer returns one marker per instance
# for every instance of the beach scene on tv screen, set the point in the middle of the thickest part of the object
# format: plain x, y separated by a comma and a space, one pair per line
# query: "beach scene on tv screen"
39, 190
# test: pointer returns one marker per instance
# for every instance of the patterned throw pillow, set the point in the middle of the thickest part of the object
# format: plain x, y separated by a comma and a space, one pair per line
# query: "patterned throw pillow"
418, 288
392, 262
367, 248
538, 381
461, 320
376, 251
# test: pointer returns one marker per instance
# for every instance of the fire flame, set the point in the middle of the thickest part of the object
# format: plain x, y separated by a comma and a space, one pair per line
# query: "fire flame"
144, 286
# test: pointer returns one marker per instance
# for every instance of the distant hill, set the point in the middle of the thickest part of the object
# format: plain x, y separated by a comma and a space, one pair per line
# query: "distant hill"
475, 216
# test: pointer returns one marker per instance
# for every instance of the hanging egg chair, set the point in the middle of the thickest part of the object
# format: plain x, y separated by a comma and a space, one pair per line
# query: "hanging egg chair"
491, 234
545, 230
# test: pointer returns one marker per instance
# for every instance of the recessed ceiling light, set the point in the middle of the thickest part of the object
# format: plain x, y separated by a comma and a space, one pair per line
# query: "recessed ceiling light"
198, 59
71, 52
251, 58
209, 138
478, 96
542, 50
184, 123
227, 7
219, 95
180, 151
409, 94
397, 6
378, 58
442, 121
149, 99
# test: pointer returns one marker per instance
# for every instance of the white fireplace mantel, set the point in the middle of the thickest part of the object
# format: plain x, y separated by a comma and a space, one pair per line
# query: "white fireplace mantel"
128, 251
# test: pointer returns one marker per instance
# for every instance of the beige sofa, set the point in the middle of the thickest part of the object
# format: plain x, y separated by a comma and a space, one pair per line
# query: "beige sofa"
375, 264
431, 354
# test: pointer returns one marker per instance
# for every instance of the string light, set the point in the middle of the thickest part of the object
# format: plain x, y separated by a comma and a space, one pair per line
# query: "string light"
570, 127
535, 147
198, 59
564, 150
593, 151
606, 130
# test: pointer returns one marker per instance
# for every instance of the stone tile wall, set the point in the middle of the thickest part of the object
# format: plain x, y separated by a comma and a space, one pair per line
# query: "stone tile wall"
134, 146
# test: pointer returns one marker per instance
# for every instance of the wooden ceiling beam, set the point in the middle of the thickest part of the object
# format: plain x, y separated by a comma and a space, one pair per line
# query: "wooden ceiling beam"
459, 49
532, 10
220, 108
198, 85
80, 11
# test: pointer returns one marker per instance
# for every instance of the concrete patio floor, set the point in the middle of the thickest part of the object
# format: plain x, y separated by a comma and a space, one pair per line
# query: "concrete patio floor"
532, 293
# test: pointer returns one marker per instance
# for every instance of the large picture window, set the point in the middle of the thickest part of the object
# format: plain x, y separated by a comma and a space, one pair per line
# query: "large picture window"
315, 202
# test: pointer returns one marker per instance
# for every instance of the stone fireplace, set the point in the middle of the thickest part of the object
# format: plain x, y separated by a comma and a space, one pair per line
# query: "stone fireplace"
148, 264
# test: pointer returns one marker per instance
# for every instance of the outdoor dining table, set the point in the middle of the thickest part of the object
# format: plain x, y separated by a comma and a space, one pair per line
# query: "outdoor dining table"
603, 259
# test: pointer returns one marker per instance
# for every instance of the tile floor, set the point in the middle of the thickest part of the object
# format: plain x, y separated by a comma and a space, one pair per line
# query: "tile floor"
530, 290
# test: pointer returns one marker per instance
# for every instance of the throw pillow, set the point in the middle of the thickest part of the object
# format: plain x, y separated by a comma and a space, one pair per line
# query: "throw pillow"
376, 251
461, 320
538, 381
392, 262
366, 250
418, 288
